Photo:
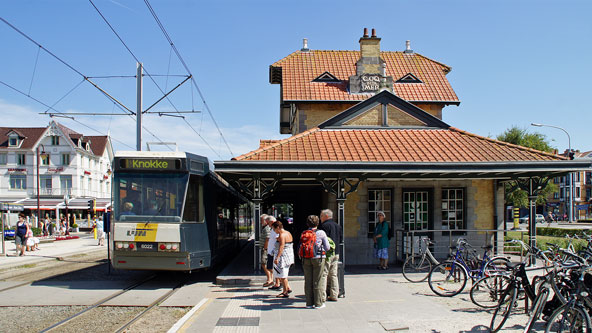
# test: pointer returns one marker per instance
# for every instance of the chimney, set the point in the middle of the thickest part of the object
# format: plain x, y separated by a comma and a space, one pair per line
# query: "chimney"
305, 45
370, 54
408, 47
370, 74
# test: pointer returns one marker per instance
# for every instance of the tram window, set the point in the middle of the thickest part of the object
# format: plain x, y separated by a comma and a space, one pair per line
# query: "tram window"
149, 197
193, 210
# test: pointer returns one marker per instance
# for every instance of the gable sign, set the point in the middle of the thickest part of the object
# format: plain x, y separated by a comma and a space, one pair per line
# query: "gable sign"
370, 82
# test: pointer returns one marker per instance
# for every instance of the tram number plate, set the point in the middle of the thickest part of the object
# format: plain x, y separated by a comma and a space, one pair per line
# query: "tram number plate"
146, 247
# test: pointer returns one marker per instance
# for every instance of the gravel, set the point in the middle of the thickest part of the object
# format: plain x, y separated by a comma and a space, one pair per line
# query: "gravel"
33, 318
158, 320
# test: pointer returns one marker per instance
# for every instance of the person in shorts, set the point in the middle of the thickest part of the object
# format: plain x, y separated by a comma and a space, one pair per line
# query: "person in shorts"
264, 237
20, 236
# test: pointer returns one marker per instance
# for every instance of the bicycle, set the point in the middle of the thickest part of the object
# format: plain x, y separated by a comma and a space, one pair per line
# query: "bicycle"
450, 278
486, 291
418, 266
518, 283
573, 315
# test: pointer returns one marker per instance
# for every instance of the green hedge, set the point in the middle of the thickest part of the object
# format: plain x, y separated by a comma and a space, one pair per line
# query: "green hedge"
559, 232
550, 235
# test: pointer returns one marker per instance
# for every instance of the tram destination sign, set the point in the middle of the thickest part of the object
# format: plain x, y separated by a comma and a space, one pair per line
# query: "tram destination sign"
149, 164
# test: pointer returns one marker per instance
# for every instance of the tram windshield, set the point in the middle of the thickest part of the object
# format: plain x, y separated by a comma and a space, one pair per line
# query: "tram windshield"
149, 197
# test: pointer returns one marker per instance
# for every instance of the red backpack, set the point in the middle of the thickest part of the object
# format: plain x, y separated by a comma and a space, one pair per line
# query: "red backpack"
308, 240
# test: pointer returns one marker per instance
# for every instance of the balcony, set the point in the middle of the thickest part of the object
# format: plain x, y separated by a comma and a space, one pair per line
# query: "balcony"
50, 192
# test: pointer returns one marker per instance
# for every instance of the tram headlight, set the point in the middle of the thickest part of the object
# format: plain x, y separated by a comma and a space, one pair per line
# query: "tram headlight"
162, 247
169, 246
125, 245
119, 245
131, 246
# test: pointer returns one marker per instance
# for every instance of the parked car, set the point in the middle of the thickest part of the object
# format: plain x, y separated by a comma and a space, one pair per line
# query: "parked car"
539, 218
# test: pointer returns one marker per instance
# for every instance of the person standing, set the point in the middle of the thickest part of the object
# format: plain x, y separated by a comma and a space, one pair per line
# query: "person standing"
284, 257
313, 263
270, 250
330, 280
20, 236
264, 237
381, 241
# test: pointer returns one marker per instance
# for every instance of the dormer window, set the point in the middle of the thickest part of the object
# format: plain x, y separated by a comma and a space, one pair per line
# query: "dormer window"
327, 77
87, 146
13, 140
55, 140
409, 78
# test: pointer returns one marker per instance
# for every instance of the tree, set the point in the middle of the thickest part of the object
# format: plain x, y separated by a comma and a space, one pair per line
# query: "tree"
521, 137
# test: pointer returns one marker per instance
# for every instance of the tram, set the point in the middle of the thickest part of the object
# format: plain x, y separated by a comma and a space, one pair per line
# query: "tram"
171, 211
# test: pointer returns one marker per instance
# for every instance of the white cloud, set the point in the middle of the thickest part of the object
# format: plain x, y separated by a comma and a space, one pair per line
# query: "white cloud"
168, 129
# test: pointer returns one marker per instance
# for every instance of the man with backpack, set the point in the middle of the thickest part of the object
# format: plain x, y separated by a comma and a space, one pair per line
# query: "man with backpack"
313, 245
329, 278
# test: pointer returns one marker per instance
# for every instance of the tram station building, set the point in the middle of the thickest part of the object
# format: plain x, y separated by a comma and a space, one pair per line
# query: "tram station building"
367, 135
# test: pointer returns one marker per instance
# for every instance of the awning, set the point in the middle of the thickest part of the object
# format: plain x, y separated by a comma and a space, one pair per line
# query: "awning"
82, 203
44, 203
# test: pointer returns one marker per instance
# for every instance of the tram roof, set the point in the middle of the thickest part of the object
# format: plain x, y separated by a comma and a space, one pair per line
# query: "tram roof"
153, 154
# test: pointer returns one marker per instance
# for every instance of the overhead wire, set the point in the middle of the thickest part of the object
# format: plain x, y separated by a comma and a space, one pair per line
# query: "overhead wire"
60, 112
34, 70
167, 36
154, 81
85, 78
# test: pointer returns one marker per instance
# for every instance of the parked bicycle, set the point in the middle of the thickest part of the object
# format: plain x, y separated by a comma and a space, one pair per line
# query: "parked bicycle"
418, 266
518, 284
486, 291
573, 316
450, 278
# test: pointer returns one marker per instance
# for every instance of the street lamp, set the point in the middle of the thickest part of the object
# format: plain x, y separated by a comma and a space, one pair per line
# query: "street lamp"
571, 217
38, 158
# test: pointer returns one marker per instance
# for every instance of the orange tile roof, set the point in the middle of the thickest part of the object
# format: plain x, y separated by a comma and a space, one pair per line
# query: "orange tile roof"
394, 145
299, 69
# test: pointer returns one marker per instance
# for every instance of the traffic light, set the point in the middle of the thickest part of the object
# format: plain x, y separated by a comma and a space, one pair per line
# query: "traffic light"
91, 204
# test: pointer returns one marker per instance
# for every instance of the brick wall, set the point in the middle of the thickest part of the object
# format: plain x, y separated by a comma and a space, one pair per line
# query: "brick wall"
483, 201
397, 117
434, 109
371, 117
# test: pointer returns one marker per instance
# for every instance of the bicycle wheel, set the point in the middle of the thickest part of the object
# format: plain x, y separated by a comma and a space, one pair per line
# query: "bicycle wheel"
569, 318
537, 307
447, 279
502, 312
487, 291
416, 268
496, 265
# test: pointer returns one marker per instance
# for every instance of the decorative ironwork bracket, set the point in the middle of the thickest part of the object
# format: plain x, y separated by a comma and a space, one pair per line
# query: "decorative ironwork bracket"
533, 186
256, 188
337, 187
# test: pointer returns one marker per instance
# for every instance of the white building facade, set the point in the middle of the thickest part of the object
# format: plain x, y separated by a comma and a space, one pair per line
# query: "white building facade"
55, 166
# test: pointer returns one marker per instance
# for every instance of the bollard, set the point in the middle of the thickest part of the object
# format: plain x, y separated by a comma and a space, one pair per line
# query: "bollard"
95, 231
516, 217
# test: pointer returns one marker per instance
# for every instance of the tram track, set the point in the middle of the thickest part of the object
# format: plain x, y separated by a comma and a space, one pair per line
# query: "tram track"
99, 303
151, 306
92, 316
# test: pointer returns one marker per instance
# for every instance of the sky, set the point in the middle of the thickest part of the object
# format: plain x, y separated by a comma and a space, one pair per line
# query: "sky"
513, 63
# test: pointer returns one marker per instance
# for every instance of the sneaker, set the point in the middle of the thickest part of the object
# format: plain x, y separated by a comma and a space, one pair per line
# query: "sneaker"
310, 306
320, 307
332, 299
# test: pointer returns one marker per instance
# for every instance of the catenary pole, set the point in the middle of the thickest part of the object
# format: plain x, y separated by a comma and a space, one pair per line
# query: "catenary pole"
139, 109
